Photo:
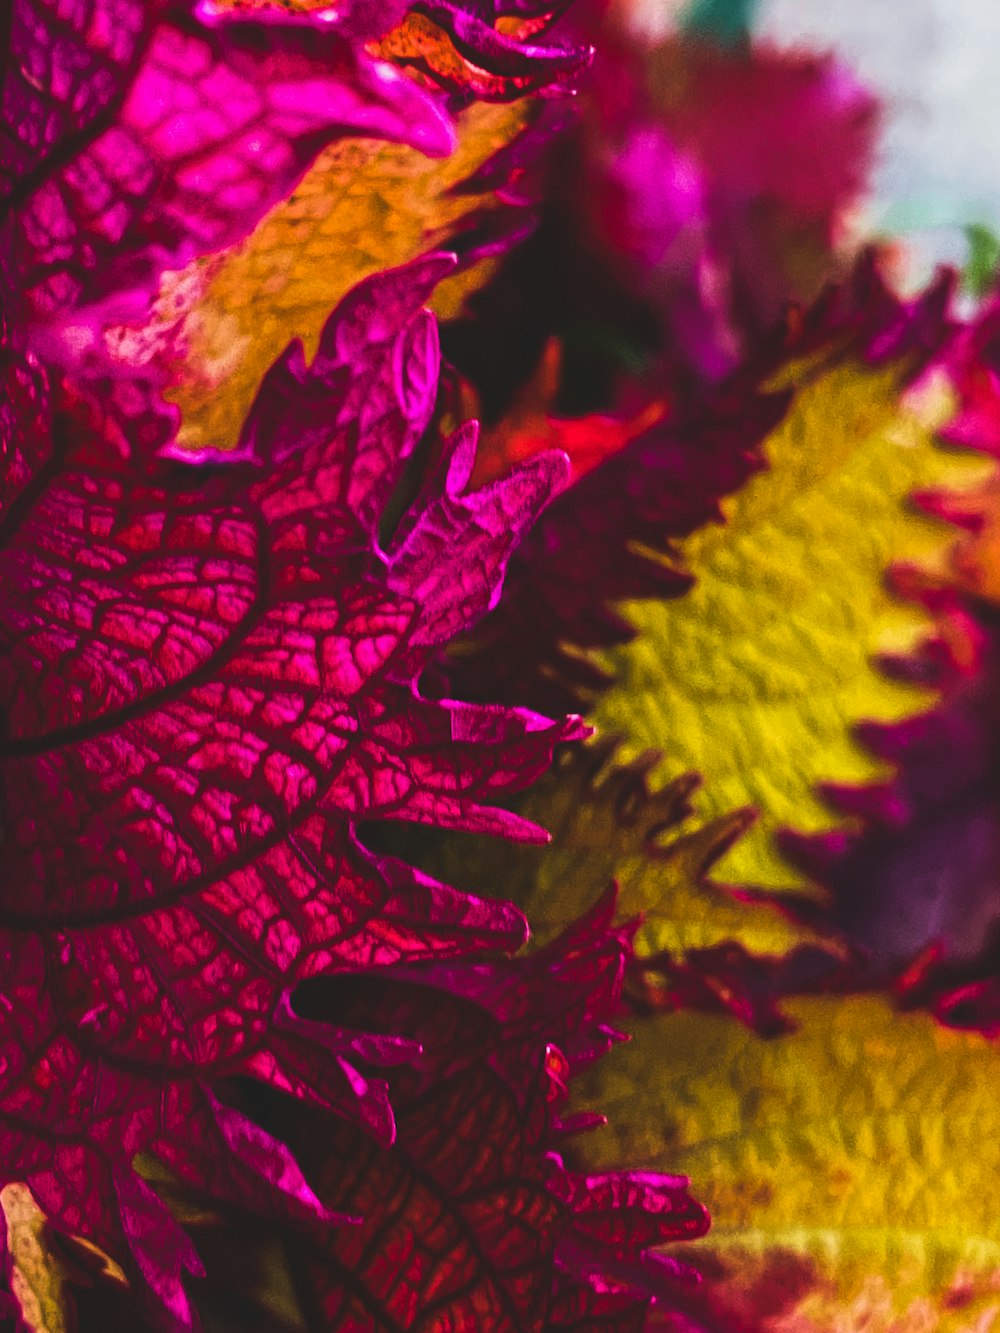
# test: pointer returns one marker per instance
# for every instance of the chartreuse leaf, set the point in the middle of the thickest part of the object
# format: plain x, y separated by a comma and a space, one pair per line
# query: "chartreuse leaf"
849, 1167
983, 263
607, 824
365, 206
756, 677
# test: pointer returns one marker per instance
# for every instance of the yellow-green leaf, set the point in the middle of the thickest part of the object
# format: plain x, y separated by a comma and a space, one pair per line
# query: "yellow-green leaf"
850, 1168
756, 677
364, 206
607, 824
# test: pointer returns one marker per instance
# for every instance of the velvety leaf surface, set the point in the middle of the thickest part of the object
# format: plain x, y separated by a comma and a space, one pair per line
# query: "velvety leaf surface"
757, 677
848, 1166
208, 679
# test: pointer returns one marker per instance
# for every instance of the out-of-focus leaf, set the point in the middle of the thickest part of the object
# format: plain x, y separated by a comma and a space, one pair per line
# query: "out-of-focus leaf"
717, 175
40, 1265
757, 677
923, 898
362, 208
849, 1167
983, 263
977, 559
36, 1277
726, 22
531, 426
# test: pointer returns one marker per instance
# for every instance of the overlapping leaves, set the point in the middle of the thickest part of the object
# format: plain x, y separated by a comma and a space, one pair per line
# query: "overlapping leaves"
363, 207
138, 136
756, 678
207, 681
606, 539
847, 1167
699, 942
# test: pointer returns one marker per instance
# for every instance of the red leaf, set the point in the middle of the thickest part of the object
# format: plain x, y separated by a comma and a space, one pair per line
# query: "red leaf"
471, 1220
208, 680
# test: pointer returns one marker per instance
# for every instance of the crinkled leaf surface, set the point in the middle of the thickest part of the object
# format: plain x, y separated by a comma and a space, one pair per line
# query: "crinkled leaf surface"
757, 676
699, 942
363, 207
603, 539
488, 48
135, 137
848, 1167
207, 679
471, 1220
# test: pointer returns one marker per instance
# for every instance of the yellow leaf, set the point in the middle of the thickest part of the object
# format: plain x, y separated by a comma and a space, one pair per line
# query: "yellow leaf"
38, 1280
364, 206
850, 1168
756, 677
40, 1274
606, 824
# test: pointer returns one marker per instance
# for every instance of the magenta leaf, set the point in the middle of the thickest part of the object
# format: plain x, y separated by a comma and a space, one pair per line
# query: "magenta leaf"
24, 418
471, 1218
543, 58
208, 680
134, 137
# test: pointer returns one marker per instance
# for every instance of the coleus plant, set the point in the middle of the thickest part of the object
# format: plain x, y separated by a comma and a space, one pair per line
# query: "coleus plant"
216, 682
816, 655
210, 681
